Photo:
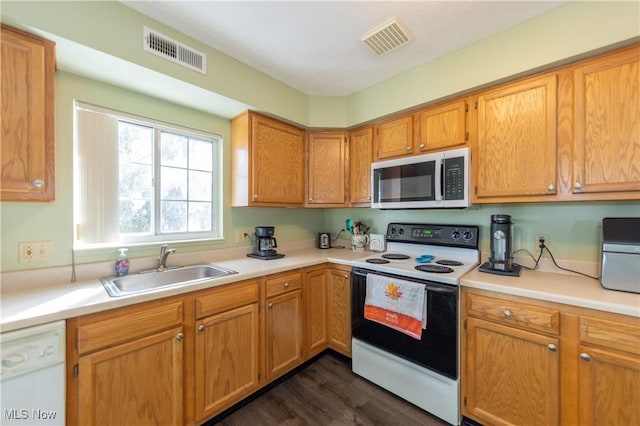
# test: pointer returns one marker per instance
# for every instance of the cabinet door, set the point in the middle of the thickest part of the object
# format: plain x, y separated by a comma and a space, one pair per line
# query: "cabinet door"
516, 153
28, 67
340, 311
609, 387
607, 124
136, 383
394, 138
327, 168
512, 375
283, 333
277, 162
315, 318
360, 156
226, 359
443, 126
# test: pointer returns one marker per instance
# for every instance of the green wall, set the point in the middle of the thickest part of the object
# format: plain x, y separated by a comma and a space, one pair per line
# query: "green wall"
99, 49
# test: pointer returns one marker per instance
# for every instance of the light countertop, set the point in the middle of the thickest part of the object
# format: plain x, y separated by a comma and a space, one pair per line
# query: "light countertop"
569, 289
28, 305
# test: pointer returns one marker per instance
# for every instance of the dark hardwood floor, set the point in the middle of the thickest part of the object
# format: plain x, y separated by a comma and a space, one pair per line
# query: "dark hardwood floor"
326, 392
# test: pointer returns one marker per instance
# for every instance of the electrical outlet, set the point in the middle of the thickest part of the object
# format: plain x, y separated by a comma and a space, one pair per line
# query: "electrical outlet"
34, 251
542, 237
241, 235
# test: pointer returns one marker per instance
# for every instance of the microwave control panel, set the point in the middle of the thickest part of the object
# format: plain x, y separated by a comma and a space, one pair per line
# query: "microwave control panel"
454, 178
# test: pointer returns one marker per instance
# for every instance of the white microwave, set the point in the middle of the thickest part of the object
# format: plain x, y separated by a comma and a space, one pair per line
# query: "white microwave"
435, 180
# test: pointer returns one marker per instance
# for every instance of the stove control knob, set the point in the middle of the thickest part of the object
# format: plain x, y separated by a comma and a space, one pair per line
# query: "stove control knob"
467, 235
455, 235
401, 231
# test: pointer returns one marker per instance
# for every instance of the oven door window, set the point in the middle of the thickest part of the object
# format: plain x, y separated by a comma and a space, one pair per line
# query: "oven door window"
409, 182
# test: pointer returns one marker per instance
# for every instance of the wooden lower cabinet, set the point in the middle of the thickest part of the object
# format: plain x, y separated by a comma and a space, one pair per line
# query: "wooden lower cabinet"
283, 324
135, 383
515, 377
340, 309
530, 362
226, 347
315, 310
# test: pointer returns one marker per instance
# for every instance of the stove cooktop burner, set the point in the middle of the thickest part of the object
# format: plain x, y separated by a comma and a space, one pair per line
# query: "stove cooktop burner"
438, 269
396, 256
378, 261
447, 262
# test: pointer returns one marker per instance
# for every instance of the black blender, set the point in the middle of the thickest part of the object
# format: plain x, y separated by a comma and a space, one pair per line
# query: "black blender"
501, 259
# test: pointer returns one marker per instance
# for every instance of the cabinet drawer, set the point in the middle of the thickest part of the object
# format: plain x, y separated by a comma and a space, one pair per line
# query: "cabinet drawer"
126, 324
284, 283
510, 312
610, 333
228, 297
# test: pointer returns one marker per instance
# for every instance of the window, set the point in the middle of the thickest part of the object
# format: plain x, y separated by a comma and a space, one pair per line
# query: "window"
137, 180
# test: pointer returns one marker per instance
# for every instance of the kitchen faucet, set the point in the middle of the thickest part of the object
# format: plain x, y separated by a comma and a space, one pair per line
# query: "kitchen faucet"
165, 251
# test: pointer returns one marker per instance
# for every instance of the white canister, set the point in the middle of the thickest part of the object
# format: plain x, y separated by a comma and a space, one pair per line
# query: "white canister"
359, 242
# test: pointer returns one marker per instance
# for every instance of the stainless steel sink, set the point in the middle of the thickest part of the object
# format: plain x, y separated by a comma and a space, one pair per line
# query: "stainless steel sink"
143, 282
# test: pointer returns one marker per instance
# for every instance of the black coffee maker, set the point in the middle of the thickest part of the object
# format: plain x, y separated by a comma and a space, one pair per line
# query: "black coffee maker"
501, 258
264, 245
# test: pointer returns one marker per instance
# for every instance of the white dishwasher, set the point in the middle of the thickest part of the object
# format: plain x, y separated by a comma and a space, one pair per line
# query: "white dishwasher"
32, 385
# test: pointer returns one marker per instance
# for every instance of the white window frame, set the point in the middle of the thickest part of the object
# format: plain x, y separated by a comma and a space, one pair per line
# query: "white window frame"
96, 201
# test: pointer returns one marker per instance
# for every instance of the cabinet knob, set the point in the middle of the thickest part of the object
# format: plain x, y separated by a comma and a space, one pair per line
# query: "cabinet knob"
421, 145
369, 198
179, 336
577, 186
255, 196
551, 188
38, 183
286, 285
408, 148
346, 275
201, 327
507, 313
585, 356
310, 199
270, 305
552, 347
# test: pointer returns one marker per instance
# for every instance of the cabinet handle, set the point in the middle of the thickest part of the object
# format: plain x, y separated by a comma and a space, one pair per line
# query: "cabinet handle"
369, 198
179, 336
585, 356
408, 148
310, 199
38, 183
286, 285
421, 145
577, 186
507, 313
346, 276
552, 347
270, 305
201, 327
255, 196
551, 188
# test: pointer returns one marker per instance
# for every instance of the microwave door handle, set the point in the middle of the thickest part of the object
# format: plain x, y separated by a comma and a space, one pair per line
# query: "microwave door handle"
438, 185
442, 179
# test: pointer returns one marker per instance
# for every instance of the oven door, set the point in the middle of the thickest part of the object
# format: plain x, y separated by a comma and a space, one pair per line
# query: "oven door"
437, 350
407, 182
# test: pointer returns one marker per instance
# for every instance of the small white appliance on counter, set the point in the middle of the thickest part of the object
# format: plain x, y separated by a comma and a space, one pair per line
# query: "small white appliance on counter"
32, 382
621, 254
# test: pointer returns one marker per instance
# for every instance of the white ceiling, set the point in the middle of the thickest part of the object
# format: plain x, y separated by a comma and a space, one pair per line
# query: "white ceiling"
315, 46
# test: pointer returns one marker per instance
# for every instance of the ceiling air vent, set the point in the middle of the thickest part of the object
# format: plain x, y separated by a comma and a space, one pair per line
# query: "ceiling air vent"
387, 37
163, 46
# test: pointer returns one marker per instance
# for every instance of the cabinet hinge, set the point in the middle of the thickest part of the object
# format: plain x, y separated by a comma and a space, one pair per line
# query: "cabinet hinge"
466, 107
475, 105
476, 189
75, 370
464, 324
466, 136
465, 401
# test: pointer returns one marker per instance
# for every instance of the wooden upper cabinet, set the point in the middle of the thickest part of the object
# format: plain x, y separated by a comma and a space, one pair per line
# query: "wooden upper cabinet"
607, 124
442, 126
327, 154
268, 162
360, 156
28, 163
516, 146
394, 138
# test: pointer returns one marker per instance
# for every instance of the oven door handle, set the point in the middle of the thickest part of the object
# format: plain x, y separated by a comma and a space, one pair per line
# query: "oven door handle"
441, 289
